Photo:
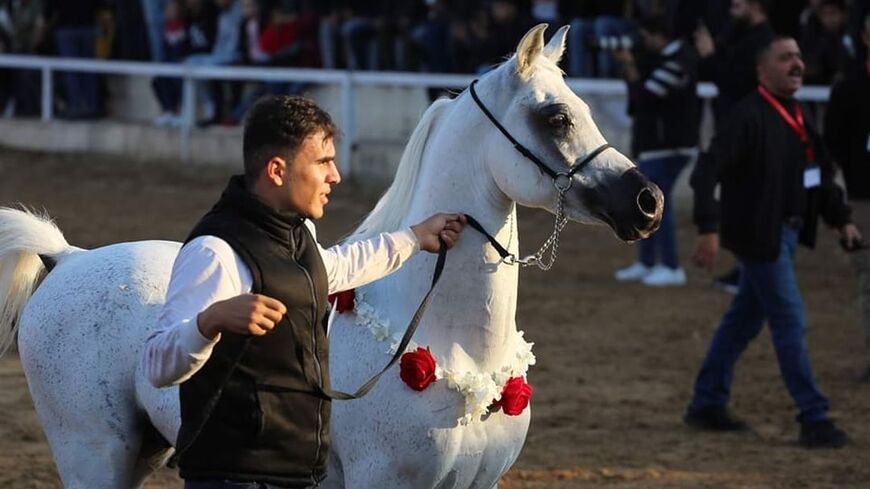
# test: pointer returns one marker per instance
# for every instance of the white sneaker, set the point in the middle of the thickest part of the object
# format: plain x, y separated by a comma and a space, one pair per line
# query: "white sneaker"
662, 276
163, 120
637, 271
175, 121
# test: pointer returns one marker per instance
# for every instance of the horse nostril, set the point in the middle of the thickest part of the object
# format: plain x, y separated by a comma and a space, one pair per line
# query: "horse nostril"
647, 202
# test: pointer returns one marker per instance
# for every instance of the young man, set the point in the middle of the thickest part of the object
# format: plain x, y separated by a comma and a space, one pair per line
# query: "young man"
775, 182
253, 274
664, 135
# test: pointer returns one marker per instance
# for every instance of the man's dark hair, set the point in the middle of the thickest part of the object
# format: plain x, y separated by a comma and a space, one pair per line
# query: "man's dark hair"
764, 4
277, 126
657, 24
765, 49
839, 4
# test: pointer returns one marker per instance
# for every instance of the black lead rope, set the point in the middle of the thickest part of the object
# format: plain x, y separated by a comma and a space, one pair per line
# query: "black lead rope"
525, 151
495, 244
406, 338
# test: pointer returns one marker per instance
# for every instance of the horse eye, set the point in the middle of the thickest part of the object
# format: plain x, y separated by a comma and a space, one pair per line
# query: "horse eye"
559, 121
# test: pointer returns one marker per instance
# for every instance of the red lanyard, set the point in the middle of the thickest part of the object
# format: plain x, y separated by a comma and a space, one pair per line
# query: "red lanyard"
795, 123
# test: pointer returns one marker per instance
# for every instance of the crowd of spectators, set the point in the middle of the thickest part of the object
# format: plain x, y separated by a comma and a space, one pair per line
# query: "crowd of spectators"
445, 36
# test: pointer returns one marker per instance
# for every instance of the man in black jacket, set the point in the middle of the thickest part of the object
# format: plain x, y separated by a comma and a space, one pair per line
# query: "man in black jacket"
775, 182
847, 133
244, 327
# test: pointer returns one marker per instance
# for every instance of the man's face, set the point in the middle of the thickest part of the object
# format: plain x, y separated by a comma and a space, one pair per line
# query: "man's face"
250, 9
832, 18
311, 175
740, 11
781, 71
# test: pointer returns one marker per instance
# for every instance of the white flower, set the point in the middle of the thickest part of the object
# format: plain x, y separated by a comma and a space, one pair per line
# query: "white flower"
380, 330
479, 390
500, 377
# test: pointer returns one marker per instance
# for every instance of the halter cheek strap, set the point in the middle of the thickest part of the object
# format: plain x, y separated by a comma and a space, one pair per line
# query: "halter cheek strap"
531, 156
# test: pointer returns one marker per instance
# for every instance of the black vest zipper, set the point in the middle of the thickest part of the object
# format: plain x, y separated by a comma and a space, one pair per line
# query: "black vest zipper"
314, 323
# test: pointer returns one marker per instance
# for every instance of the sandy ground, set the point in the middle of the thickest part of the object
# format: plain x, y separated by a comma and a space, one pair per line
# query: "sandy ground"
615, 362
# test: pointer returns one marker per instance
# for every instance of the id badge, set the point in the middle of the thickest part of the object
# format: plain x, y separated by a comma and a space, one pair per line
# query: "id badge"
812, 176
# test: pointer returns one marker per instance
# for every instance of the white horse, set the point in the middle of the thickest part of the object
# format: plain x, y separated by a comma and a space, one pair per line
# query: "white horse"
81, 331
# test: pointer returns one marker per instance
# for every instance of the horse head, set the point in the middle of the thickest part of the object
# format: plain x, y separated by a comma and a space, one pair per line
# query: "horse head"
561, 159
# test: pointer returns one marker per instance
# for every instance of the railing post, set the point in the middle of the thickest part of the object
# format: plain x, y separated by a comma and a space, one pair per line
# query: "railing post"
188, 114
348, 139
47, 93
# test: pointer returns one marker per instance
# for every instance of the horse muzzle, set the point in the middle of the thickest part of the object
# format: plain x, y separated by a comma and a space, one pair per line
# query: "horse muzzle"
630, 204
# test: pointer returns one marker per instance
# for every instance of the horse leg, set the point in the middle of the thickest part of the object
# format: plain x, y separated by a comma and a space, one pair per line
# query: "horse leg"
89, 417
88, 459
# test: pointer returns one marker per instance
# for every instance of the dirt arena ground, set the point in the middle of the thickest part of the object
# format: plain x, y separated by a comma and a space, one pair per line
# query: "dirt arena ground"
615, 362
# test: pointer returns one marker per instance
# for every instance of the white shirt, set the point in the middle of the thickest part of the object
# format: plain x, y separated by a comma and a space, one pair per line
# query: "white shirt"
207, 270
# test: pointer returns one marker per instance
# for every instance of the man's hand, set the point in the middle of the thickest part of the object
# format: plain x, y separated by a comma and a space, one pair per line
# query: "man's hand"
706, 250
850, 234
246, 314
704, 42
624, 56
445, 226
629, 68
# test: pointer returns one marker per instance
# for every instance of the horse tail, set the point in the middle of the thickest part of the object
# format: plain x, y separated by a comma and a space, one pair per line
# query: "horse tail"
28, 243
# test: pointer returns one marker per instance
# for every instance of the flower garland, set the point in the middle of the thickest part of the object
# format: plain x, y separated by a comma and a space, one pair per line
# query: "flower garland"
505, 389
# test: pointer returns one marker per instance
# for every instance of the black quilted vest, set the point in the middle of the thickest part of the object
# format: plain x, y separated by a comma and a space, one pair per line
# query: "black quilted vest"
271, 422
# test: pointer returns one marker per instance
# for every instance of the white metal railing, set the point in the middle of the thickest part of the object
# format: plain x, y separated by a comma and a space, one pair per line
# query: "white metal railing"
347, 80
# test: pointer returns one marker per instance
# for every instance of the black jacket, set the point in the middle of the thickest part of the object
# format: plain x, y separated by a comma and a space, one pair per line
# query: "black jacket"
271, 420
847, 131
664, 103
759, 162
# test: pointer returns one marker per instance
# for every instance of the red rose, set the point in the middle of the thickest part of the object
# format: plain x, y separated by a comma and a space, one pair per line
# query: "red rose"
343, 301
515, 397
417, 369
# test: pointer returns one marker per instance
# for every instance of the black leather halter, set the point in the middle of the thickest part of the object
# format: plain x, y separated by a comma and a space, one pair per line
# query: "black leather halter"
531, 156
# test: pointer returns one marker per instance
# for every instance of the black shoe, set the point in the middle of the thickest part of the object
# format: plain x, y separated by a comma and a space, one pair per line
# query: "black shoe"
865, 378
714, 418
203, 123
822, 434
728, 282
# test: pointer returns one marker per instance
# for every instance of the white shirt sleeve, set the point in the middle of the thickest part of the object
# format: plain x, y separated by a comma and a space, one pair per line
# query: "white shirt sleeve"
351, 265
206, 270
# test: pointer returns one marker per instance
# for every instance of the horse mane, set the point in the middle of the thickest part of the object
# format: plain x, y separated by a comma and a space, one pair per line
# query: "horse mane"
393, 206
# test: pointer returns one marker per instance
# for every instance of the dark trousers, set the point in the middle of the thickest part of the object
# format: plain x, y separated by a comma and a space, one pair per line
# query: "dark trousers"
168, 92
661, 247
82, 89
768, 290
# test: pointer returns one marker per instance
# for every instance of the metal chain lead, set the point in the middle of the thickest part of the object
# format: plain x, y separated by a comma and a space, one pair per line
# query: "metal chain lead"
552, 243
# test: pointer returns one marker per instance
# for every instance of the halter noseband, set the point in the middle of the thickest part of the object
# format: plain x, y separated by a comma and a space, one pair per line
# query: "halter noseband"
531, 156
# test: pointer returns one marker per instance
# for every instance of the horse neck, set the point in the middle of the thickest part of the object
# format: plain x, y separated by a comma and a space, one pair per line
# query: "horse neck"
471, 320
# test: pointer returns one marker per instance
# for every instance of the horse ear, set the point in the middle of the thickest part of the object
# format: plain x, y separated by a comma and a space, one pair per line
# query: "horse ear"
530, 48
556, 47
